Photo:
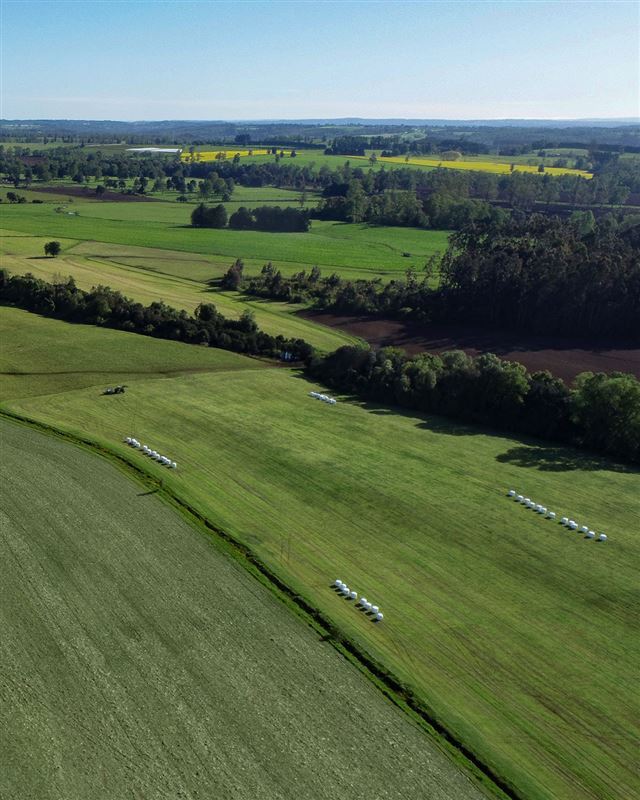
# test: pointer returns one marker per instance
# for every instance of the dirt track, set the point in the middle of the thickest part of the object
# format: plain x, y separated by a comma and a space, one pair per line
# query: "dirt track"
85, 193
563, 357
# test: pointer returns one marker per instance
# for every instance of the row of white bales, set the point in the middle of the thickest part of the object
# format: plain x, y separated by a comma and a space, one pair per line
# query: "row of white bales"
364, 604
569, 523
317, 396
167, 462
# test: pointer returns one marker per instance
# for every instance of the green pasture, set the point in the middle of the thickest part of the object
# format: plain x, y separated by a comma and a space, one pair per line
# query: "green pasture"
520, 636
145, 274
351, 250
138, 660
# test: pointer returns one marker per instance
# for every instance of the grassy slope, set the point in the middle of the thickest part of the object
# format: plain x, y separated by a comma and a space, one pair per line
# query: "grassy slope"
36, 350
521, 636
139, 661
146, 274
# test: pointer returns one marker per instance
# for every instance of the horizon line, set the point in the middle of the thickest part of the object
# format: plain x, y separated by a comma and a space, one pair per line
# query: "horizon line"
629, 119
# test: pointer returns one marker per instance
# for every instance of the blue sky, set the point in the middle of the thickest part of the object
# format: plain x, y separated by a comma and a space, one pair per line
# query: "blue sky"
88, 59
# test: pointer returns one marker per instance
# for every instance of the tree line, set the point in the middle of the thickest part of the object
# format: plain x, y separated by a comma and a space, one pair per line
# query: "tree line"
615, 179
539, 274
601, 412
262, 218
108, 308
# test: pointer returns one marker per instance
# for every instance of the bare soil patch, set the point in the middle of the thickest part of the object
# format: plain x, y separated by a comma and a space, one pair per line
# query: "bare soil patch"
565, 358
86, 193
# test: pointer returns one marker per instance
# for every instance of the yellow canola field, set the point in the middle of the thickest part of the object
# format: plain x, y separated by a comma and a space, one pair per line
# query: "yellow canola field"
220, 155
478, 166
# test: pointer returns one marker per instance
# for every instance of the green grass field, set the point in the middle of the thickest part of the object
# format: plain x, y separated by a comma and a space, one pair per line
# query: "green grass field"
147, 251
520, 636
148, 274
349, 249
139, 660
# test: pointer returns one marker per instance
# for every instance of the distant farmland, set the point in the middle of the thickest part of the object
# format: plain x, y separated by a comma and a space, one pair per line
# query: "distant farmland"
494, 164
479, 165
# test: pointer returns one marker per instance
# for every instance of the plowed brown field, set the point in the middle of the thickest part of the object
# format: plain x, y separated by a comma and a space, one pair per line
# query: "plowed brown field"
565, 358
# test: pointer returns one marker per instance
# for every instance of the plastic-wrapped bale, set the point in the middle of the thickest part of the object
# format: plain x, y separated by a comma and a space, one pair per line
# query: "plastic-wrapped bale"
337, 582
174, 465
551, 514
363, 602
512, 492
589, 535
584, 529
379, 616
367, 605
128, 440
528, 502
543, 509
353, 595
345, 590
602, 537
374, 609
573, 525
333, 401
564, 521
520, 498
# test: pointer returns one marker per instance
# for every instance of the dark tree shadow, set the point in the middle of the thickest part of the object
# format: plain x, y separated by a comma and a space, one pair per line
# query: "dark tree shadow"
558, 459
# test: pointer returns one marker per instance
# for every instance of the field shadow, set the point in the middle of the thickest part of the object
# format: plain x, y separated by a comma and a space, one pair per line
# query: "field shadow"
558, 459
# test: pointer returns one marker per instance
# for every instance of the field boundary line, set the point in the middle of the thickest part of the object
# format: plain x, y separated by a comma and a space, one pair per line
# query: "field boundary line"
401, 695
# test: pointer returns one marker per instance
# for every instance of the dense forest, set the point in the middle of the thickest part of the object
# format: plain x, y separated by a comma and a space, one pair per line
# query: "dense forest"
538, 274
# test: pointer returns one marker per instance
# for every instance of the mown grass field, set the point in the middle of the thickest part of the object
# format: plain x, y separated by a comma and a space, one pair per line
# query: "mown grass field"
139, 660
521, 637
145, 274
